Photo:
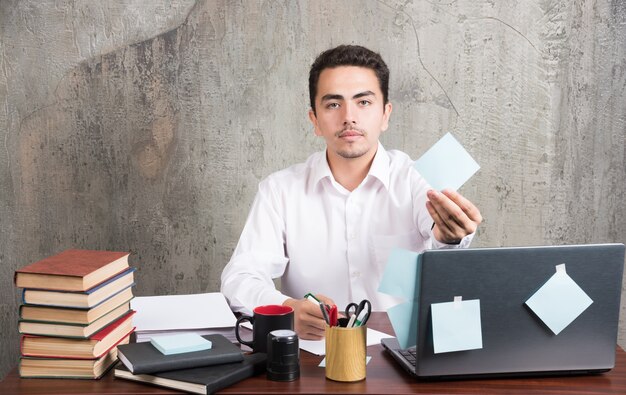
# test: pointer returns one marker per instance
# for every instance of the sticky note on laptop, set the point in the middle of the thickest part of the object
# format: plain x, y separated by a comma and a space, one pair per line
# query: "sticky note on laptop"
456, 325
180, 343
446, 164
559, 301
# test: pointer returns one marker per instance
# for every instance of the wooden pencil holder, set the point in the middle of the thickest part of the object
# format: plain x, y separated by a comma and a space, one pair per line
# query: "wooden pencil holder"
345, 353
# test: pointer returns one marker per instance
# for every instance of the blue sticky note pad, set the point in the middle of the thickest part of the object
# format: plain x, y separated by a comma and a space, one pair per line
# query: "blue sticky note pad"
180, 343
559, 301
446, 164
400, 276
456, 326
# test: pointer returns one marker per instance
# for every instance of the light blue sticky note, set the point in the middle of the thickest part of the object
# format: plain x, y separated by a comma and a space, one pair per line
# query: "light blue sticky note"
446, 164
180, 343
456, 325
400, 275
403, 318
559, 301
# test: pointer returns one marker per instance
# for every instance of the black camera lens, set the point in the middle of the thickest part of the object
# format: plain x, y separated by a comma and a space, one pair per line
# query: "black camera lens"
283, 355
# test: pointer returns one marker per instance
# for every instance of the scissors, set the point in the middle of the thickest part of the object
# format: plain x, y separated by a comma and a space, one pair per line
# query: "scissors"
357, 309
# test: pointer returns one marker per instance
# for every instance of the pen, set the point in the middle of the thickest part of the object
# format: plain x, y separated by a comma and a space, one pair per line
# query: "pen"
333, 315
351, 322
324, 313
311, 298
359, 319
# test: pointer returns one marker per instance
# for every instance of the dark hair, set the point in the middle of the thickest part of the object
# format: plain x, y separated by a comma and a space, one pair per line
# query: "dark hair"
349, 55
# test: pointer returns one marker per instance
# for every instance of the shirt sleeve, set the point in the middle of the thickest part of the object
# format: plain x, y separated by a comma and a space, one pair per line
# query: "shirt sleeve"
465, 242
247, 280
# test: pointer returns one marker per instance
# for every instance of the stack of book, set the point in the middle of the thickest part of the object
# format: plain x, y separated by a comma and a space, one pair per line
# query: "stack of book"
183, 362
75, 311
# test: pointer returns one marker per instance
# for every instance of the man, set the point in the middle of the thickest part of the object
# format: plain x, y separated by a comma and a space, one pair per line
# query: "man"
327, 226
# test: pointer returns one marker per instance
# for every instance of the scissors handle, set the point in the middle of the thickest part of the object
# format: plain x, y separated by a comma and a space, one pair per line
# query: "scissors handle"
352, 308
363, 312
363, 309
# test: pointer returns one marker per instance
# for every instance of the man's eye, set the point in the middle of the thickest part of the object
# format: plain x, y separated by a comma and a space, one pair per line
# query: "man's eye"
333, 105
365, 103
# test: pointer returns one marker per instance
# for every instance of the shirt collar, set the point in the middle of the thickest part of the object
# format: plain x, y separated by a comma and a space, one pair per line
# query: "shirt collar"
379, 168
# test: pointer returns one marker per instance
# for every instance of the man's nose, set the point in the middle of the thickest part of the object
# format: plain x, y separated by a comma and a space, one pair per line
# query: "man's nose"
349, 115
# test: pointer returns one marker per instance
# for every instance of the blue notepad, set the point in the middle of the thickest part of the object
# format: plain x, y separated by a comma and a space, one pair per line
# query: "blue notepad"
180, 343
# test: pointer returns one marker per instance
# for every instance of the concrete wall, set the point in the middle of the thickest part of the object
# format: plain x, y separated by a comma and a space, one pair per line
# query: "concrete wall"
146, 125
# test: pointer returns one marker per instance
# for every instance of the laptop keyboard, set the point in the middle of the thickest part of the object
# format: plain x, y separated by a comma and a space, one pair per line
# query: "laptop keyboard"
409, 354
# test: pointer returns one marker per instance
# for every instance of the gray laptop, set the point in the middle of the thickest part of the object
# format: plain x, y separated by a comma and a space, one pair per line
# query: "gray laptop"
516, 342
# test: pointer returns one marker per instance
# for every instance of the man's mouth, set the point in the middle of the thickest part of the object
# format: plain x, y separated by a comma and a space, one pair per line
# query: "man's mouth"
350, 133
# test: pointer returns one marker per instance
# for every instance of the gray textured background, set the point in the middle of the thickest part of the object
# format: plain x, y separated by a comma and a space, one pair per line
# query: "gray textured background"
146, 125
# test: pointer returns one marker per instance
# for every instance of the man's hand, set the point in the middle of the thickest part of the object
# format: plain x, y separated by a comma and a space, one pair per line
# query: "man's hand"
455, 217
308, 320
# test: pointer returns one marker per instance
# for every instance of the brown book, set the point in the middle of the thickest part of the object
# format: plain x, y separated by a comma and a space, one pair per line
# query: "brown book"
72, 270
74, 316
92, 348
67, 368
63, 329
91, 298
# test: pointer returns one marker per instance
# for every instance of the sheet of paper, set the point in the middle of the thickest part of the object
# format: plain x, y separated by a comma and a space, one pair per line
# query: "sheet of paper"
446, 164
323, 363
318, 347
401, 279
559, 301
456, 326
168, 312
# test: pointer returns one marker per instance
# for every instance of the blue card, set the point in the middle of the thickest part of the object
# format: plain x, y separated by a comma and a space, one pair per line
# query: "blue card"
559, 301
446, 164
403, 318
456, 325
401, 279
400, 275
180, 343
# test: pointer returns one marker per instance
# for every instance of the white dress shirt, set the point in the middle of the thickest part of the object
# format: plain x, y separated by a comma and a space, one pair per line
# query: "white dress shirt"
318, 237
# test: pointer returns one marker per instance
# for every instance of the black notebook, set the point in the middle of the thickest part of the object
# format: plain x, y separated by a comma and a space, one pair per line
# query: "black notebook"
203, 380
145, 358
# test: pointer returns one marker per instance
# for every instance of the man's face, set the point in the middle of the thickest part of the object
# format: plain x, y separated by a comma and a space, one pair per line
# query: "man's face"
350, 113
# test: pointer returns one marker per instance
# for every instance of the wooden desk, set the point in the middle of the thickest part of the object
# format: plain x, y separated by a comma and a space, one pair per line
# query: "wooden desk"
384, 376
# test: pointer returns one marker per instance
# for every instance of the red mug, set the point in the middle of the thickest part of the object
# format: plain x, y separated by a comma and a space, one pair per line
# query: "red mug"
264, 320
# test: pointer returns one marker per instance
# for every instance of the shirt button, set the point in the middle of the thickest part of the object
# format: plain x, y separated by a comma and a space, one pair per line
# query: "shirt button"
351, 236
356, 274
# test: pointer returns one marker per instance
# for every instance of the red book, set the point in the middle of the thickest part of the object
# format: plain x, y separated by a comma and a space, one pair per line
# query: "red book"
94, 347
72, 270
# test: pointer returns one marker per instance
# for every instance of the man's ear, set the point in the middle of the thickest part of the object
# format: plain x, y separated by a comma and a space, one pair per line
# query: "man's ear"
313, 119
386, 114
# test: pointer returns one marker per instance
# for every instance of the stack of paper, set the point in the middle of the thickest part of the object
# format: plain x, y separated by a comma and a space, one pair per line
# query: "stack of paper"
203, 314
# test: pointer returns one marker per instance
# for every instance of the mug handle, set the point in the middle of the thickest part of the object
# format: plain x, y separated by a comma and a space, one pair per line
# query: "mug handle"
242, 319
